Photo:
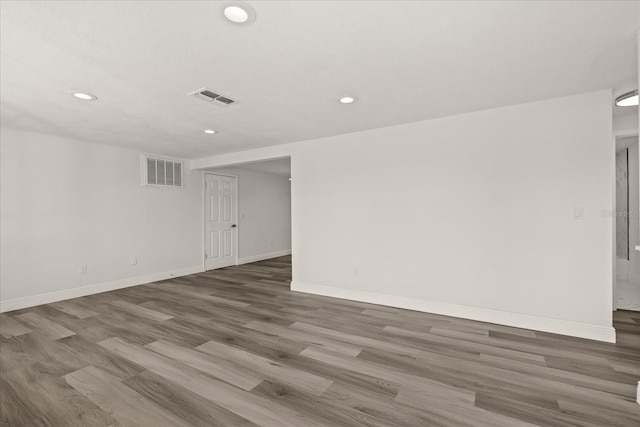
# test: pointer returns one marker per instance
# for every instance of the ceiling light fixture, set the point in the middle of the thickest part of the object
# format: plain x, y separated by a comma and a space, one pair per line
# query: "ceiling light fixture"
629, 99
347, 100
209, 131
84, 96
237, 12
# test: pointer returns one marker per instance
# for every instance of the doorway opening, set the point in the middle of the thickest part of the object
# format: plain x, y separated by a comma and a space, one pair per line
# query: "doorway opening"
260, 211
627, 232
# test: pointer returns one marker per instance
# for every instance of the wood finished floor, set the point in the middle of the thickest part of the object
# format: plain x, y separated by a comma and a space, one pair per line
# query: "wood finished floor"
235, 347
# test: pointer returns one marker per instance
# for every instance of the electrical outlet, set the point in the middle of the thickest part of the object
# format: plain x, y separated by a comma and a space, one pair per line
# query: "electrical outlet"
578, 214
133, 260
83, 269
356, 271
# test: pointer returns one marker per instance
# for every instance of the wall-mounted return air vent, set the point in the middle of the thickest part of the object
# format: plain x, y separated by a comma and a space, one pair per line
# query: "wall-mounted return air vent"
215, 98
159, 172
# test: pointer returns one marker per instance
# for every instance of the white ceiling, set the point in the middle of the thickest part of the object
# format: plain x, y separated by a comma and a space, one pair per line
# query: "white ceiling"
404, 60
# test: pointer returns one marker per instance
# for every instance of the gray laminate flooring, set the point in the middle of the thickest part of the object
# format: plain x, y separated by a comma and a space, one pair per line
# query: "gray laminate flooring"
235, 347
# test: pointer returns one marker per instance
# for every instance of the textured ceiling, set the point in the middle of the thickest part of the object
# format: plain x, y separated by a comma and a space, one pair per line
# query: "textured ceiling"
405, 61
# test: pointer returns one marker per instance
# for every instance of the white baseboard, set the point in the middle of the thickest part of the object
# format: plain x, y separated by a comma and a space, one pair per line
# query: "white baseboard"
262, 257
563, 327
31, 301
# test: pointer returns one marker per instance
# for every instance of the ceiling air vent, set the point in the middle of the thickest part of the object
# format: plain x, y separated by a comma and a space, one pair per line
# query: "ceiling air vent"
225, 100
208, 95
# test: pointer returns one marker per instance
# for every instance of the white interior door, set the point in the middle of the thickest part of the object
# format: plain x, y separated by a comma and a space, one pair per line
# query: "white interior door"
221, 232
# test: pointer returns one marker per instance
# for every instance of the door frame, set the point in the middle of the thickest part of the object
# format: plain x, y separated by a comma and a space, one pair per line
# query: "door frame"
204, 216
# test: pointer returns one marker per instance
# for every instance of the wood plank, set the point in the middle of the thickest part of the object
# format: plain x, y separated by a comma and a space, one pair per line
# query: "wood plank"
300, 379
216, 367
194, 409
27, 350
91, 354
141, 311
387, 373
9, 327
74, 309
600, 415
310, 339
255, 409
463, 344
113, 397
322, 411
455, 414
15, 409
51, 400
201, 296
353, 339
522, 410
46, 327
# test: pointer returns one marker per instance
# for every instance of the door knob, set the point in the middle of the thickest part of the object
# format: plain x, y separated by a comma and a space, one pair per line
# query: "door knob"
233, 226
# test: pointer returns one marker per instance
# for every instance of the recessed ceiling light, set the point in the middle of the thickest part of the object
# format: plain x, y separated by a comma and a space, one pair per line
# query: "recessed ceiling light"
237, 12
629, 99
84, 96
209, 131
347, 99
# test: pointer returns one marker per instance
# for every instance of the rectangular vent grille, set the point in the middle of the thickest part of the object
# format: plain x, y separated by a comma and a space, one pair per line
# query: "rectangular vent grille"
224, 100
161, 172
210, 96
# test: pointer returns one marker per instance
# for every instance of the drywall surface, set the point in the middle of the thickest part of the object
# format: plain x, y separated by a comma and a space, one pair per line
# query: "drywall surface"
625, 122
67, 203
469, 215
264, 205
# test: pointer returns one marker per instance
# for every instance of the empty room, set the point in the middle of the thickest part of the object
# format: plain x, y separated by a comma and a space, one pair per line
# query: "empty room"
319, 213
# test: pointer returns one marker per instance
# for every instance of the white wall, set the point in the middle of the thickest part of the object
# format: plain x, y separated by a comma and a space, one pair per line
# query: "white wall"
470, 215
264, 204
65, 203
625, 122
